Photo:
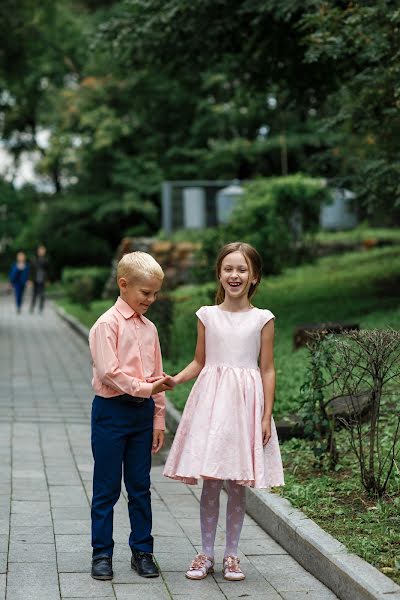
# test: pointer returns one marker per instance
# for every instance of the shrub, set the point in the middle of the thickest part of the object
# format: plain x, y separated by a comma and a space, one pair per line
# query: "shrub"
361, 369
278, 216
85, 284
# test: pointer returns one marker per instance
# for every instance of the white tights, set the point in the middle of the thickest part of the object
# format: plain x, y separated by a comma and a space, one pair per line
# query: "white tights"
209, 513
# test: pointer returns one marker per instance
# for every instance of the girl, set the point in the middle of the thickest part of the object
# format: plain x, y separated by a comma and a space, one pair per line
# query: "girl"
227, 431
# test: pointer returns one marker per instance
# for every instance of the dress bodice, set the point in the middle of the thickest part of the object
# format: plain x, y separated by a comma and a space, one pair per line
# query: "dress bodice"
233, 338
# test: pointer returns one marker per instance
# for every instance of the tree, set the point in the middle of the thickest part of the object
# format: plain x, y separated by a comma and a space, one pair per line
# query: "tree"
361, 41
41, 48
323, 63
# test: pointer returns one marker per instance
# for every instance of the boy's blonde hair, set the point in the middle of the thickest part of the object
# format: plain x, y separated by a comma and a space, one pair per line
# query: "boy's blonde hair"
136, 264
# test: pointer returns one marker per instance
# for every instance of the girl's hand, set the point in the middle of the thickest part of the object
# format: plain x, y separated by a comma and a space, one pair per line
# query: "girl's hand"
156, 378
163, 384
266, 430
171, 380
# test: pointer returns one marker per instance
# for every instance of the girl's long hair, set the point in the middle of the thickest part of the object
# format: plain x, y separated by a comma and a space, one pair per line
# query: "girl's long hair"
254, 263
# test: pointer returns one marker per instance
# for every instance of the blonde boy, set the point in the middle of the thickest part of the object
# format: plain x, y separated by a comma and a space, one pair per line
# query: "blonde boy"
128, 412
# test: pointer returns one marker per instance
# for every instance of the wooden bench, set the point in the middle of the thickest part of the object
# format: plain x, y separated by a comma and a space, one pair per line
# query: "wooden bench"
303, 334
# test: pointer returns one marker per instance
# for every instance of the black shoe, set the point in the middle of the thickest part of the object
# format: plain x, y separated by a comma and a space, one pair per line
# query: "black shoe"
143, 563
102, 568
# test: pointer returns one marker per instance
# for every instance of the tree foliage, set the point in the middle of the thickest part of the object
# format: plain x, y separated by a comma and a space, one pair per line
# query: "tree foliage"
115, 96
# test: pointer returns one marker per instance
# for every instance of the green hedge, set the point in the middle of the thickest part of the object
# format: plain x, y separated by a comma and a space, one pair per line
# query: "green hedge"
84, 284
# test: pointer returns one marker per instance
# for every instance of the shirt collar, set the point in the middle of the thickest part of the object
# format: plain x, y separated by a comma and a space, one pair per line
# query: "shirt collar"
126, 311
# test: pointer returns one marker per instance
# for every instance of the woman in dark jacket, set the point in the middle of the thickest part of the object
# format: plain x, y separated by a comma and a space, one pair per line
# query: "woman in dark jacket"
18, 276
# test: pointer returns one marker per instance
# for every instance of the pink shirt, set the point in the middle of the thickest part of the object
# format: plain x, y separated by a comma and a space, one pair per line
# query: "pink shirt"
126, 351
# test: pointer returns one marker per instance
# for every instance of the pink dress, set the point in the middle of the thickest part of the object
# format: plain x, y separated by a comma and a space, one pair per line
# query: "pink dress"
220, 433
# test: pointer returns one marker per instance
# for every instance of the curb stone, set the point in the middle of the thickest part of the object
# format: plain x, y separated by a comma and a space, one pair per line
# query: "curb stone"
72, 322
346, 574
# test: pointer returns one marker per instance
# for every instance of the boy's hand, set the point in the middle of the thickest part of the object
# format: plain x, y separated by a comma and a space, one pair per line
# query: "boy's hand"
158, 440
165, 384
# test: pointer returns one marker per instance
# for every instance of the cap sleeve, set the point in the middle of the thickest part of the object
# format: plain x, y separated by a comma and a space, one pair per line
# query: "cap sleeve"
202, 314
265, 316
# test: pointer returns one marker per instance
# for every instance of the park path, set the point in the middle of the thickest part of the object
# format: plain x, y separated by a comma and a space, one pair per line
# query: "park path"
45, 491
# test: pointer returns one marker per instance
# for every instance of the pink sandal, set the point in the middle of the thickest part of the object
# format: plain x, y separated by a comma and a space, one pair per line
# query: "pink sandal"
231, 570
201, 566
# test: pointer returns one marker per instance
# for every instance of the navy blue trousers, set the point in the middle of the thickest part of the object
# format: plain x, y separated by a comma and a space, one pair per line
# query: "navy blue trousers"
122, 434
19, 289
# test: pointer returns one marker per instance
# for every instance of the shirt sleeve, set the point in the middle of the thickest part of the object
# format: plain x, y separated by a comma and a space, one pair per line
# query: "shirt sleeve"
266, 315
202, 314
159, 399
103, 347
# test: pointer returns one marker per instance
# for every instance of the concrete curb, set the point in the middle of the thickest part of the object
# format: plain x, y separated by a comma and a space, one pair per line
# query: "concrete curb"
72, 322
346, 574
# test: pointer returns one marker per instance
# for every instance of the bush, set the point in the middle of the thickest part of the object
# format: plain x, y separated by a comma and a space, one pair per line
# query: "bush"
85, 284
278, 216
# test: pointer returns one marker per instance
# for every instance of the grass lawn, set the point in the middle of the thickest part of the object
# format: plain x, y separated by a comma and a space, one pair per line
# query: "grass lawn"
86, 316
358, 235
359, 287
336, 501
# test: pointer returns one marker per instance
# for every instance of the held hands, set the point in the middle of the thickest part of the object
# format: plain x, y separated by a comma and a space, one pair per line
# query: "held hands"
161, 383
266, 430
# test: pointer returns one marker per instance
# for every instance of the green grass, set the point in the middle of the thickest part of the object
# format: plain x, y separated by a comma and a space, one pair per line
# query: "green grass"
336, 501
359, 235
86, 316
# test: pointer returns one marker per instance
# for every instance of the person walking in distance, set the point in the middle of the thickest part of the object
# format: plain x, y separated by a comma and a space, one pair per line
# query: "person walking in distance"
38, 276
18, 277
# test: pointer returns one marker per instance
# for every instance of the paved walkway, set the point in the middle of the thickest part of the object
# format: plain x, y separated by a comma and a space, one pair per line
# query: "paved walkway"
45, 490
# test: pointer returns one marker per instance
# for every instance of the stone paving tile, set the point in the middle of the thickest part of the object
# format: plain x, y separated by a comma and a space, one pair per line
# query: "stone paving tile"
177, 583
285, 574
3, 562
309, 595
19, 507
4, 525
138, 591
174, 561
72, 527
32, 582
74, 562
71, 543
21, 552
30, 520
178, 544
261, 547
81, 584
30, 495
67, 495
45, 405
247, 589
71, 514
32, 535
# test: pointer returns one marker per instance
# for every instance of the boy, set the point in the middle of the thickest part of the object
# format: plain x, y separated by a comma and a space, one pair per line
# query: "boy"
128, 413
